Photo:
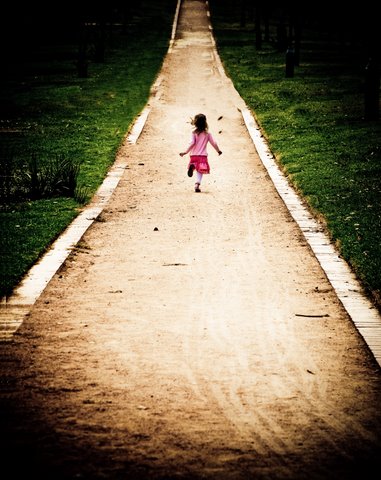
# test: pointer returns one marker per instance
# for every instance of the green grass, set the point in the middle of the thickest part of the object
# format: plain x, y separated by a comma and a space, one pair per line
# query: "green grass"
314, 123
27, 231
48, 111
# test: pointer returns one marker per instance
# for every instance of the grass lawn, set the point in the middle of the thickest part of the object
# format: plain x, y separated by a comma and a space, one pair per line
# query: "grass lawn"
314, 124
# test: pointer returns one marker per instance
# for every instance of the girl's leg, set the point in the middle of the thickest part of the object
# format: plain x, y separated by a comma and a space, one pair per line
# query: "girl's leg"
198, 182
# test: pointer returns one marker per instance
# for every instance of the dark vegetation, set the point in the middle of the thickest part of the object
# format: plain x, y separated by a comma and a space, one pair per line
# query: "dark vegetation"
74, 78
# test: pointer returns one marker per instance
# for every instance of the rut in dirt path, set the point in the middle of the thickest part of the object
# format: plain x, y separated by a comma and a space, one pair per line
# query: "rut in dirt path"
191, 335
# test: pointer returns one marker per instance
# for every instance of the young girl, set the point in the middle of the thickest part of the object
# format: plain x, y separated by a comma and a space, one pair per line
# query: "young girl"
198, 149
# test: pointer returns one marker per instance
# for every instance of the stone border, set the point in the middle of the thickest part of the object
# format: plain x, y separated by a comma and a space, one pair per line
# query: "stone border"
14, 309
349, 291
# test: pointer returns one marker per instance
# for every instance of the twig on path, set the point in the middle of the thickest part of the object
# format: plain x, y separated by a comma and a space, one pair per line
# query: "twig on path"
174, 264
311, 316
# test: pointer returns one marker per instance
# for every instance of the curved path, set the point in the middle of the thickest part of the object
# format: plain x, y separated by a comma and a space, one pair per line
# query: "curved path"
190, 335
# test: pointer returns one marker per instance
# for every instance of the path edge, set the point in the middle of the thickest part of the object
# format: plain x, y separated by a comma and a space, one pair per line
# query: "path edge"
351, 294
16, 307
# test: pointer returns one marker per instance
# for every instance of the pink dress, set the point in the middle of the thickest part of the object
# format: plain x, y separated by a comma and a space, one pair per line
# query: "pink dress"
198, 151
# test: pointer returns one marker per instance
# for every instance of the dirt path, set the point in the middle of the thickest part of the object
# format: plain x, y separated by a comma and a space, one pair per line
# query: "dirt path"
190, 335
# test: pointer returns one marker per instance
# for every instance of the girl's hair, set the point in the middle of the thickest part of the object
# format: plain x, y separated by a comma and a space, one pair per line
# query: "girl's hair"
200, 123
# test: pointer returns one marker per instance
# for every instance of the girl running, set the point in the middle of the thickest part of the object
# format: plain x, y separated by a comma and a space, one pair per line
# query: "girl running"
198, 149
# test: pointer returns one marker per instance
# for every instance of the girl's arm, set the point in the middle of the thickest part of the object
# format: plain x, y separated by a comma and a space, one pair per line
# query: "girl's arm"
214, 144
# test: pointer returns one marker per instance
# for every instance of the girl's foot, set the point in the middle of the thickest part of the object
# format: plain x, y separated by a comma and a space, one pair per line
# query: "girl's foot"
190, 170
197, 187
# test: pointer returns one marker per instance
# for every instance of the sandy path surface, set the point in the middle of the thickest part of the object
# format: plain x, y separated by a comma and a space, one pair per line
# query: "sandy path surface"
190, 335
